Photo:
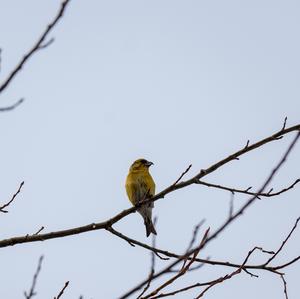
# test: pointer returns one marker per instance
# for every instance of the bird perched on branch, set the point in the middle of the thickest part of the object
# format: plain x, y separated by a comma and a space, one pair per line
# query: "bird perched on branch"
140, 186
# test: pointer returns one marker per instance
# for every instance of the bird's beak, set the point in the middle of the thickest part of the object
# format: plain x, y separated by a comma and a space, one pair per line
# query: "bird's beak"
148, 164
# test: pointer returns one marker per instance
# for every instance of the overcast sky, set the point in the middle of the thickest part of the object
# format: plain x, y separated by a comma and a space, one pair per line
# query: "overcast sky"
175, 82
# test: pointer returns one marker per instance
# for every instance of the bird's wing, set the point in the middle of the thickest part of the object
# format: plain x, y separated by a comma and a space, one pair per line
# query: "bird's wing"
134, 191
147, 189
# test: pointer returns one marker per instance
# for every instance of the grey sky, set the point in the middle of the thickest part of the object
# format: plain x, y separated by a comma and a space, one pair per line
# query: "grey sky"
176, 82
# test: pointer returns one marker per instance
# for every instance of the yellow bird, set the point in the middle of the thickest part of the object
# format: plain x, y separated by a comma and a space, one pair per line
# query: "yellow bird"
139, 186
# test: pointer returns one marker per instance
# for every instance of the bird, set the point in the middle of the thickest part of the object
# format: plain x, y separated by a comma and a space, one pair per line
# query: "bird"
140, 186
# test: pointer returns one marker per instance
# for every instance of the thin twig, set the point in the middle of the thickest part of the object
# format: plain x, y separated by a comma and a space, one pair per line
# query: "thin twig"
62, 290
37, 46
284, 123
152, 269
39, 230
194, 236
229, 276
191, 268
286, 264
284, 286
12, 199
133, 242
246, 191
47, 44
182, 175
283, 243
193, 239
40, 44
231, 205
13, 106
32, 291
247, 144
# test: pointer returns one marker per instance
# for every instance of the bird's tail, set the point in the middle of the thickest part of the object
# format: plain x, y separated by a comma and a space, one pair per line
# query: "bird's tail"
146, 213
149, 226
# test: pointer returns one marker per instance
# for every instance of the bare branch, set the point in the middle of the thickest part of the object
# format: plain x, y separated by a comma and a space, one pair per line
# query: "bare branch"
284, 124
240, 267
244, 267
250, 273
158, 252
32, 291
247, 144
12, 199
251, 200
231, 206
284, 286
166, 270
286, 264
152, 270
169, 268
194, 236
37, 46
283, 243
39, 230
182, 175
246, 191
194, 252
108, 223
133, 242
46, 44
209, 284
243, 208
13, 106
62, 290
200, 265
229, 276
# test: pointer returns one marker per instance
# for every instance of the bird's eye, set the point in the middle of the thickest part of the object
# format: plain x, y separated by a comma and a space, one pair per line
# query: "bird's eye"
143, 161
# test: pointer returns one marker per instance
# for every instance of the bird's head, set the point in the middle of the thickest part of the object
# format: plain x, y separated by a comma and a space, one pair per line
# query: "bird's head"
140, 165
